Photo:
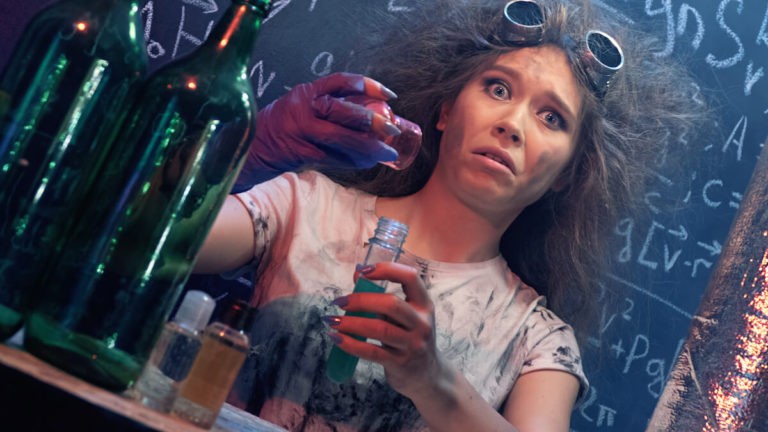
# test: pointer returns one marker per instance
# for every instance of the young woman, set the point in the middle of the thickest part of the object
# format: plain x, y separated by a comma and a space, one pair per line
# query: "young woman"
534, 139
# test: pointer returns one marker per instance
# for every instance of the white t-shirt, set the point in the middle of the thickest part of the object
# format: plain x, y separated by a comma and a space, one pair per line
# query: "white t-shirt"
310, 233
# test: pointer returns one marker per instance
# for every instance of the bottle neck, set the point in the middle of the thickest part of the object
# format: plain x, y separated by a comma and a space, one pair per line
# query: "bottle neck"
387, 242
236, 315
231, 40
390, 233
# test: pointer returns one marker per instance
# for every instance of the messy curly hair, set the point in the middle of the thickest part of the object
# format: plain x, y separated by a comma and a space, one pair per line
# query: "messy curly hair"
560, 245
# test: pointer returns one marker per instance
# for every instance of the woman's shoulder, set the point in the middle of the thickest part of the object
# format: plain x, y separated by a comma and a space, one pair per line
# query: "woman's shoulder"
306, 184
317, 182
542, 322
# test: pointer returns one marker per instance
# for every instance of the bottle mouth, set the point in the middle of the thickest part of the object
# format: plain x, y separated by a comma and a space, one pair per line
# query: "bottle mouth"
391, 229
195, 310
264, 6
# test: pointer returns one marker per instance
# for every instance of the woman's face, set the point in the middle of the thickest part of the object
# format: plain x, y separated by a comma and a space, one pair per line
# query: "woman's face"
511, 131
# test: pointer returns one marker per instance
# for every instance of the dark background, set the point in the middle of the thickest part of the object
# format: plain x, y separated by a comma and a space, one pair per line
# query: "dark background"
663, 264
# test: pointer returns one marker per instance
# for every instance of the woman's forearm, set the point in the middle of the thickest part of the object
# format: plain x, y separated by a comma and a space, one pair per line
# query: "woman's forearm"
454, 405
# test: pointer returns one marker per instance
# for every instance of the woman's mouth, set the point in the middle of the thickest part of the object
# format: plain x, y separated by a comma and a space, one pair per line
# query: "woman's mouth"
499, 159
496, 158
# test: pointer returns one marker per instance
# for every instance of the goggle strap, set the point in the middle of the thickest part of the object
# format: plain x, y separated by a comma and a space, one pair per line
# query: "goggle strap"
599, 54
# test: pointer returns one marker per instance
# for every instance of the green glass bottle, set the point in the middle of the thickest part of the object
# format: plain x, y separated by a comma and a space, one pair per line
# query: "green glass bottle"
385, 246
133, 247
60, 97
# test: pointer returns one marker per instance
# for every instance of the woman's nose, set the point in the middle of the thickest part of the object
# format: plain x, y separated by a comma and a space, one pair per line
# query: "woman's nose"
510, 126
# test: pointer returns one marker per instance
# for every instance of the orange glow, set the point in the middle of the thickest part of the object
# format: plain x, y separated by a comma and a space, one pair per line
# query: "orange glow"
81, 26
192, 84
732, 397
235, 23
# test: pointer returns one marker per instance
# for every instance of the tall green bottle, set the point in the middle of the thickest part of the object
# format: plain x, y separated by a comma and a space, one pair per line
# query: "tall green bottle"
134, 245
62, 90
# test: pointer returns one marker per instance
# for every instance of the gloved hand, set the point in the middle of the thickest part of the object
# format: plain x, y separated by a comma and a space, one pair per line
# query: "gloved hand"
313, 126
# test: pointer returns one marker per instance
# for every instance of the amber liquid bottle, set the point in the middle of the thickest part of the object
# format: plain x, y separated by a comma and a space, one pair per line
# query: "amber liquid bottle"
216, 366
134, 245
61, 96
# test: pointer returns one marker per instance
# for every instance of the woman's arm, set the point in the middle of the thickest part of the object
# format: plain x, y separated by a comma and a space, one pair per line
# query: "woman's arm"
230, 242
542, 400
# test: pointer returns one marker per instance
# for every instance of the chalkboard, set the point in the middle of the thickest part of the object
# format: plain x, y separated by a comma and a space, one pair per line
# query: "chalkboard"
663, 264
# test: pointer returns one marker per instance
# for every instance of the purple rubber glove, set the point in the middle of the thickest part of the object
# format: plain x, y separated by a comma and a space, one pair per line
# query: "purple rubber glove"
312, 126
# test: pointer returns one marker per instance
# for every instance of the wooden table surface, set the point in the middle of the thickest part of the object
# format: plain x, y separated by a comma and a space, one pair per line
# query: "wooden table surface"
35, 396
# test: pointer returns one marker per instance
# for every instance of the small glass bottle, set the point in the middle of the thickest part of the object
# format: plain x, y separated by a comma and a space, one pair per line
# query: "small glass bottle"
385, 246
61, 95
133, 247
223, 352
407, 144
174, 353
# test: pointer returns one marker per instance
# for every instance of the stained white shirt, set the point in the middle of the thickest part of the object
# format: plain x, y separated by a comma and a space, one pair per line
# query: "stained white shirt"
309, 235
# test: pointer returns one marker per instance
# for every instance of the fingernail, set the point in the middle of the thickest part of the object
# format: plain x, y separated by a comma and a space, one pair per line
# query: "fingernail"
332, 320
335, 338
391, 129
365, 269
384, 127
340, 301
372, 87
388, 93
385, 153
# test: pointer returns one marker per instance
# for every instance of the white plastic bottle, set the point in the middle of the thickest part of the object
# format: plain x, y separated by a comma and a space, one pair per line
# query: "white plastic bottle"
174, 353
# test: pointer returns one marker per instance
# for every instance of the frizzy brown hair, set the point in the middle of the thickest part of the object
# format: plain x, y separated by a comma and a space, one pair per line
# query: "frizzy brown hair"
560, 244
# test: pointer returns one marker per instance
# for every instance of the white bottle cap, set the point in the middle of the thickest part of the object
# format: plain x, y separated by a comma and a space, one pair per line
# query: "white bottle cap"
195, 310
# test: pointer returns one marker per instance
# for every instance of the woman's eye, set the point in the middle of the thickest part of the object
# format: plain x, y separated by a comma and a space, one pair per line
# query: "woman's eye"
554, 120
500, 91
497, 89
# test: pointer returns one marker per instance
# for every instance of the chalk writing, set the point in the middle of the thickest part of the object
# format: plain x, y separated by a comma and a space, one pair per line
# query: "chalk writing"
736, 138
739, 54
207, 6
394, 6
752, 78
277, 7
183, 34
762, 35
323, 64
600, 415
261, 83
154, 48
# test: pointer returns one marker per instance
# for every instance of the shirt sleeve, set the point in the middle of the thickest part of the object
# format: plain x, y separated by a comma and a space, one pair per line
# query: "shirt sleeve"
552, 346
272, 207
